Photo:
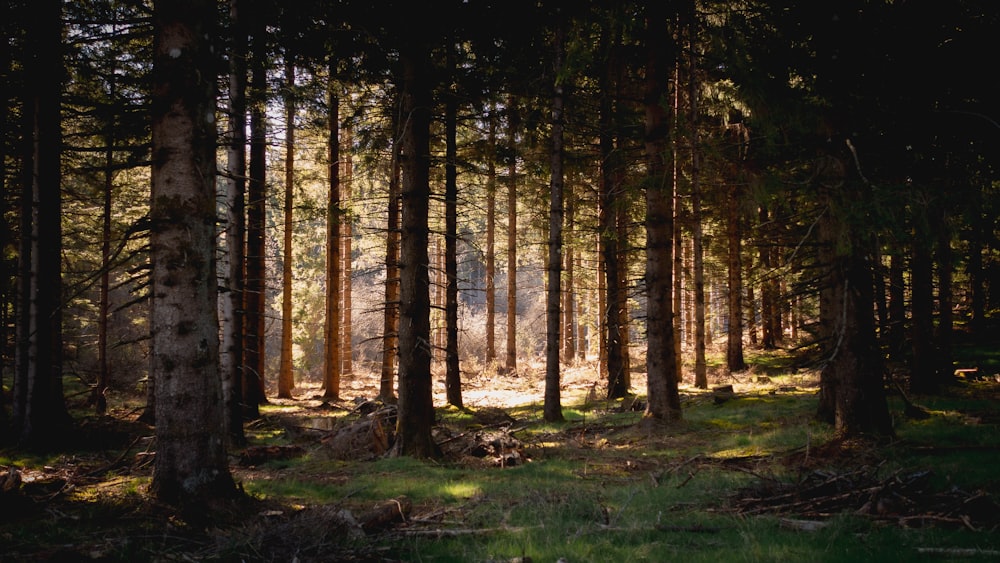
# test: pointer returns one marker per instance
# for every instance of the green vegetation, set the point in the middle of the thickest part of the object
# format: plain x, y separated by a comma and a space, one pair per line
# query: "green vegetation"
730, 482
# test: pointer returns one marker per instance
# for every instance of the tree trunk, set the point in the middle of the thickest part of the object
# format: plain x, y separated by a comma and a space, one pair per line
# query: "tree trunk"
945, 270
569, 295
347, 324
286, 379
610, 192
514, 120
256, 264
552, 410
331, 328
453, 375
191, 464
491, 269
852, 379
768, 339
735, 361
98, 397
700, 365
924, 363
232, 306
39, 409
416, 404
390, 324
663, 402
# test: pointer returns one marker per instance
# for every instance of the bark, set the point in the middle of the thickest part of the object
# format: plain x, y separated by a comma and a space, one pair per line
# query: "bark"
391, 319
491, 269
453, 375
735, 361
39, 410
104, 306
552, 409
347, 355
945, 271
286, 380
663, 402
256, 265
511, 361
569, 294
232, 333
700, 365
852, 378
768, 339
610, 193
678, 212
923, 367
416, 406
331, 329
191, 465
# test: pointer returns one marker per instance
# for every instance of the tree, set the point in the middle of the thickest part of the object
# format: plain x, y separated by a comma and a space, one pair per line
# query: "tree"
39, 409
513, 121
453, 375
191, 463
552, 410
390, 324
416, 404
331, 339
232, 365
286, 379
663, 401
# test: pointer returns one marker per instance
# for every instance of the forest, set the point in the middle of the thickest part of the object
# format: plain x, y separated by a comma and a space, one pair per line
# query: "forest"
499, 280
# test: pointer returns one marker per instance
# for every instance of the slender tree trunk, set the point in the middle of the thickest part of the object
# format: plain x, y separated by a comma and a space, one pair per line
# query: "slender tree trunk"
390, 325
946, 318
602, 306
678, 213
767, 298
700, 365
511, 363
347, 324
491, 269
453, 376
610, 193
191, 464
663, 402
924, 363
569, 295
99, 399
236, 182
331, 337
40, 410
256, 265
735, 361
286, 379
416, 404
552, 410
751, 307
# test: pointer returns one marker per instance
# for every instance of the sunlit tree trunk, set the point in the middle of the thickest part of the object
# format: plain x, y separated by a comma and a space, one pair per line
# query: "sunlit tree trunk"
552, 410
256, 264
191, 466
416, 404
347, 324
453, 376
286, 379
661, 380
678, 213
569, 293
232, 307
331, 329
390, 323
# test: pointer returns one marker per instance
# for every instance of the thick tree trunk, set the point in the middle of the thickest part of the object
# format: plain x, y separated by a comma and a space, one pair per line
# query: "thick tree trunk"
39, 409
331, 328
852, 385
663, 402
416, 404
552, 409
191, 464
286, 379
232, 331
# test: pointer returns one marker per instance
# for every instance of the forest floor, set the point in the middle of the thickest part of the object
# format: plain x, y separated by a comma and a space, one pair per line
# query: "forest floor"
748, 475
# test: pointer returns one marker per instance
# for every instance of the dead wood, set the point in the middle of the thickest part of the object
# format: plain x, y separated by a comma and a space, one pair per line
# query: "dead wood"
385, 514
256, 455
364, 438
